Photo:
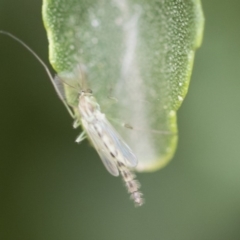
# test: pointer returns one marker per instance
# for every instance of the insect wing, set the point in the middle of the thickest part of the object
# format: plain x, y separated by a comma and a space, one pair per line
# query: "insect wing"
106, 158
129, 158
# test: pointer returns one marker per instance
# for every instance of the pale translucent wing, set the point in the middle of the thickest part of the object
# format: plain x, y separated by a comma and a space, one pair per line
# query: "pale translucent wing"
106, 158
129, 158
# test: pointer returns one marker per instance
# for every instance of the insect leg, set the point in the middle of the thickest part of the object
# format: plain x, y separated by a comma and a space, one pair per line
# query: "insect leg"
81, 137
43, 65
76, 123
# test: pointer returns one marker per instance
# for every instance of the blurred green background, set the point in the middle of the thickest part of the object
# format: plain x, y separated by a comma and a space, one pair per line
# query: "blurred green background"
52, 188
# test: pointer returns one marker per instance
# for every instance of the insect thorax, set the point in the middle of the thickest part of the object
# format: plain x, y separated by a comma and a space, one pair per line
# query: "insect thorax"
88, 107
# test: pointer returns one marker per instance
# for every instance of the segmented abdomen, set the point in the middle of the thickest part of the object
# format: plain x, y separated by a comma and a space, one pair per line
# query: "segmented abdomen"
132, 184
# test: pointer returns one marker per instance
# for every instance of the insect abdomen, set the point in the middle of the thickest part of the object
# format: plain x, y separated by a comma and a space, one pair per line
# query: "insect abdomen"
132, 184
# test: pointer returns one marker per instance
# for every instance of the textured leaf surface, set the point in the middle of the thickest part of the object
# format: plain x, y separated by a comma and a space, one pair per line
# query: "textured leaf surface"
138, 55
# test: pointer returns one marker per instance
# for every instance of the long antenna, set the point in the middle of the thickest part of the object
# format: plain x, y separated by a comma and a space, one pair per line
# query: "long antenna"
44, 66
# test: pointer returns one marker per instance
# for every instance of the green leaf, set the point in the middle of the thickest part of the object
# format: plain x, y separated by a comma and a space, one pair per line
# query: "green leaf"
139, 56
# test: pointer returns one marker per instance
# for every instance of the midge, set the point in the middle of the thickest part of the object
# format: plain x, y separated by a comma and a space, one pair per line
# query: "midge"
115, 154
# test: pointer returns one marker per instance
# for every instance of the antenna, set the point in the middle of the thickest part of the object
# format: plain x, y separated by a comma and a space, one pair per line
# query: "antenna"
44, 66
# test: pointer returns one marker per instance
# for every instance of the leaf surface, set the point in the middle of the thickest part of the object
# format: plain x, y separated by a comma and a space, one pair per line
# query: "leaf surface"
137, 56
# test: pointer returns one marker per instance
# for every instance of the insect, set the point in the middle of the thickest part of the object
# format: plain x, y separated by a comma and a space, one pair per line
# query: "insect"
115, 154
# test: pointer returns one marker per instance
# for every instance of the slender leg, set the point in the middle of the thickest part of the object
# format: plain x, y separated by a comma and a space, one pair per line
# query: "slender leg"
76, 123
81, 137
